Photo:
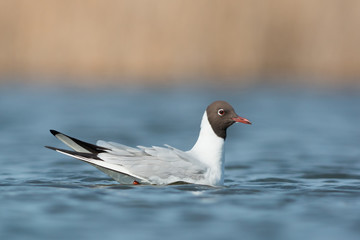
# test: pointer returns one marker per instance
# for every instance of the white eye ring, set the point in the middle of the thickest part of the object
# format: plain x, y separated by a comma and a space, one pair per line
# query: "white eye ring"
221, 112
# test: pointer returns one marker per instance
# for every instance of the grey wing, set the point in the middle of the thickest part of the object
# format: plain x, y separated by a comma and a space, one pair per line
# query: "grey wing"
160, 165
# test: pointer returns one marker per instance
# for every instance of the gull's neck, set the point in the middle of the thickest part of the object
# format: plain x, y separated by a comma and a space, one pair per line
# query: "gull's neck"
209, 149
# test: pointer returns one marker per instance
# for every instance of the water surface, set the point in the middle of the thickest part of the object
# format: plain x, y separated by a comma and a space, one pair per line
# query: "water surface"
293, 174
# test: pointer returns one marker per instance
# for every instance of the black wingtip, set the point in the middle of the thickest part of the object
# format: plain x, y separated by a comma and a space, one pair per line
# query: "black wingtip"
54, 132
52, 148
88, 146
75, 154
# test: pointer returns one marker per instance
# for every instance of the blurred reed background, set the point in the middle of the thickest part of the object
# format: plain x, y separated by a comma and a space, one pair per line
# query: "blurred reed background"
172, 41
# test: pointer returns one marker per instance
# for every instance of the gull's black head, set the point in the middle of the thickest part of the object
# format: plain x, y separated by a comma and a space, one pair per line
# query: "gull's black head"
222, 115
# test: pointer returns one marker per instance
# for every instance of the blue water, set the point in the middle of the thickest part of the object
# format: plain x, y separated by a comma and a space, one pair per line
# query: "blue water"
293, 174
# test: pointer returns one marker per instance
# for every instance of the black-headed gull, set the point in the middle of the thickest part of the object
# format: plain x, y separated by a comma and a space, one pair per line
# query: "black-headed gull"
203, 164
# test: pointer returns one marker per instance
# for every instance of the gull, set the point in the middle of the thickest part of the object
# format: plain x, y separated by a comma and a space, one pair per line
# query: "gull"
203, 164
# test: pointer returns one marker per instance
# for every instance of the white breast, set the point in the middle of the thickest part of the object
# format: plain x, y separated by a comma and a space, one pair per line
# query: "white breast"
209, 149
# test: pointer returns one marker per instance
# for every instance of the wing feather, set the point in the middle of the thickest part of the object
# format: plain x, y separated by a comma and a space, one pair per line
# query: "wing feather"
155, 165
160, 163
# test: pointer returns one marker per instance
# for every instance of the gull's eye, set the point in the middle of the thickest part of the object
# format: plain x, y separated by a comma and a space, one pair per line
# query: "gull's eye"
221, 112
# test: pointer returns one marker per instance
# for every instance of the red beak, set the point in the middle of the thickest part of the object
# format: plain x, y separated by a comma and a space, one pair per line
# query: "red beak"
242, 120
